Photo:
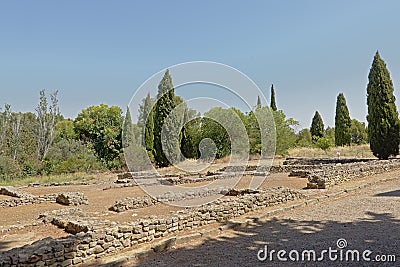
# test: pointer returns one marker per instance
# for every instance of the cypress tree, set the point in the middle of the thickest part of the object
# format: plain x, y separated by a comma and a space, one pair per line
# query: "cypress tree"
273, 102
317, 127
164, 105
149, 135
342, 122
128, 134
148, 117
258, 102
383, 121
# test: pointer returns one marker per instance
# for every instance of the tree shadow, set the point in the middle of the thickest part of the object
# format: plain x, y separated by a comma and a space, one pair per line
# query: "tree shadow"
394, 193
379, 233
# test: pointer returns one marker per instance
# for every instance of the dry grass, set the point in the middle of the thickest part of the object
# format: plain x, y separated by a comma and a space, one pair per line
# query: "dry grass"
48, 179
361, 151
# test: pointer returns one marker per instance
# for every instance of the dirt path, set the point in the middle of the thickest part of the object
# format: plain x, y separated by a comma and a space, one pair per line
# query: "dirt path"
368, 219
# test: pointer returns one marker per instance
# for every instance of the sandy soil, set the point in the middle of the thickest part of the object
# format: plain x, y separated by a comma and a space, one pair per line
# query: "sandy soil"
368, 219
99, 202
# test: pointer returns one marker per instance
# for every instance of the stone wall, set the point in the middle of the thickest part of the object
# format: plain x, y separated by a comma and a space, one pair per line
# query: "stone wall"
94, 238
22, 198
336, 174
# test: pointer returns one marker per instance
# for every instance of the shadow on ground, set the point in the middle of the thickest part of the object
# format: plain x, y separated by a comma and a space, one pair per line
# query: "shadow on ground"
378, 232
395, 193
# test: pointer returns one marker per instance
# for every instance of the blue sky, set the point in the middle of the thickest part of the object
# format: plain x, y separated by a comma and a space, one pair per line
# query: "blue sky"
101, 51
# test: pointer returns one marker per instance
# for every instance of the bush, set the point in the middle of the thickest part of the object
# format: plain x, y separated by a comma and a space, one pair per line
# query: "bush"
9, 169
69, 156
79, 163
324, 143
32, 167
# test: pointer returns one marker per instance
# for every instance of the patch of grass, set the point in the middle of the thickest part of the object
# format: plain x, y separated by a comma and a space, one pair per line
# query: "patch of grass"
48, 179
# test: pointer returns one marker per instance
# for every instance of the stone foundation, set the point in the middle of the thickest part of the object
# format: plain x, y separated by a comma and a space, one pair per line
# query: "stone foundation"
93, 238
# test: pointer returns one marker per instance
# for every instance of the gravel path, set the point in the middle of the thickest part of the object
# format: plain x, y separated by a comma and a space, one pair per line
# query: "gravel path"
368, 219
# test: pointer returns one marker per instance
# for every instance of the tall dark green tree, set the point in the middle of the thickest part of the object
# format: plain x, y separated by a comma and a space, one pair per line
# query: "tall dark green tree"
383, 119
273, 101
258, 102
317, 127
128, 133
163, 107
342, 122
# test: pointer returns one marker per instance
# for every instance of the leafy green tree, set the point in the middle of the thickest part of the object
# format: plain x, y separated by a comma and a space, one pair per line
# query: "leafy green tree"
212, 128
330, 134
254, 132
100, 127
317, 127
285, 136
69, 156
383, 121
273, 101
342, 122
304, 138
324, 143
191, 137
358, 132
65, 130
163, 107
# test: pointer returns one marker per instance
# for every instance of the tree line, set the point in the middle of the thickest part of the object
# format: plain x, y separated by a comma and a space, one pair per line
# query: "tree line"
44, 142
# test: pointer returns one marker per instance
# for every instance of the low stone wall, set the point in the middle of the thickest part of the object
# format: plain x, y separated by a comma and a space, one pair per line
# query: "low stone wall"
337, 174
320, 161
131, 203
22, 198
72, 198
94, 238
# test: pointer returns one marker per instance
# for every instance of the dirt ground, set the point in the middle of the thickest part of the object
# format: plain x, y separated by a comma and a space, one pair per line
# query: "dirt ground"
99, 202
366, 219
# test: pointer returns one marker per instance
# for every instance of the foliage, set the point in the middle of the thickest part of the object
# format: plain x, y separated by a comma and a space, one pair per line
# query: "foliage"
383, 122
69, 156
146, 122
128, 132
65, 130
324, 143
358, 132
342, 122
258, 102
285, 136
317, 127
330, 134
100, 127
5, 118
47, 116
163, 107
253, 132
9, 169
273, 101
304, 138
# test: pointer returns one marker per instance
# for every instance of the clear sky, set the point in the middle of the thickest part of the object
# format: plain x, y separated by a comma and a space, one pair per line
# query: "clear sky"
101, 51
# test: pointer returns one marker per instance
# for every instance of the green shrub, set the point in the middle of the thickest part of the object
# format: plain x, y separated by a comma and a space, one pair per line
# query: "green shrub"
9, 169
